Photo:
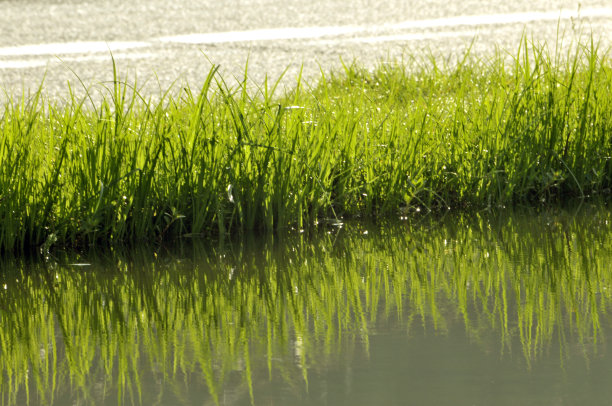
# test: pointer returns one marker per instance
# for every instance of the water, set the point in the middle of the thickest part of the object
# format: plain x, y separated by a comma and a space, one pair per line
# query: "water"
483, 309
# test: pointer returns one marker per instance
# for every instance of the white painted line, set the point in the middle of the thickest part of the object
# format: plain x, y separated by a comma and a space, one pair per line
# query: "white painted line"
275, 34
510, 18
44, 61
407, 37
67, 48
325, 34
270, 34
107, 57
21, 64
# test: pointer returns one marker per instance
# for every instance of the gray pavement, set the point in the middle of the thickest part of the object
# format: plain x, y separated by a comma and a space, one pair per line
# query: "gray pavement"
160, 43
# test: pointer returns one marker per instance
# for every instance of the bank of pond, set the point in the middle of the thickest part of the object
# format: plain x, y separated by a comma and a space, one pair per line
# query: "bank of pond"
507, 308
234, 157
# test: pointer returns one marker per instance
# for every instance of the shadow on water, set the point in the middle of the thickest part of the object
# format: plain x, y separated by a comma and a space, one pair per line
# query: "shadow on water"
468, 309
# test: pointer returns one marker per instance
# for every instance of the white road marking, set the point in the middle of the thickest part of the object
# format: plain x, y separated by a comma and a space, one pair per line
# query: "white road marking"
509, 18
45, 61
405, 37
271, 34
275, 34
22, 64
87, 50
67, 48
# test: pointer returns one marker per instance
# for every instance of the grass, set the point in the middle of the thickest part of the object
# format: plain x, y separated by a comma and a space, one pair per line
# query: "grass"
139, 328
229, 159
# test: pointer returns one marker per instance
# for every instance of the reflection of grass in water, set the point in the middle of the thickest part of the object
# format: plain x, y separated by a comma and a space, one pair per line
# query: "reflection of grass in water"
97, 333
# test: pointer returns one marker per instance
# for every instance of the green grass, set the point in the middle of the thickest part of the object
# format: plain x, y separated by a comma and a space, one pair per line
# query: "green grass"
369, 143
222, 320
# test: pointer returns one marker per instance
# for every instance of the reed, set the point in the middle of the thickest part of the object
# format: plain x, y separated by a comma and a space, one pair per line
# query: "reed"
230, 159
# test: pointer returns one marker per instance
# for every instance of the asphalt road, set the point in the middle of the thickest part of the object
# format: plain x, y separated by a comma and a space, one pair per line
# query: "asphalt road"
160, 42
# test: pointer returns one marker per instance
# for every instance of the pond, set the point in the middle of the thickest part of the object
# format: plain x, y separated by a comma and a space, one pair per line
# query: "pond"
488, 308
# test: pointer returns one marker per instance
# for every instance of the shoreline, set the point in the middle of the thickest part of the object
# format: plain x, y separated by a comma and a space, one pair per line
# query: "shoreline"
371, 143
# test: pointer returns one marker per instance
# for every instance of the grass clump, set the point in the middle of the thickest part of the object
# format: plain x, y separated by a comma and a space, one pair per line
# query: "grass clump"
230, 159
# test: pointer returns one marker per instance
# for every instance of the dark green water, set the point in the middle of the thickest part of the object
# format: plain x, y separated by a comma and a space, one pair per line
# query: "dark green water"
501, 309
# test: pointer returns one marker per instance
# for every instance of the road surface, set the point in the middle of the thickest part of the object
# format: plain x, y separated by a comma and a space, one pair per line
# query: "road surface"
160, 42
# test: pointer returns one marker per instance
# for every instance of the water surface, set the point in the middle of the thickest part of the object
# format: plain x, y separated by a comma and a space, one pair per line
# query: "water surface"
479, 309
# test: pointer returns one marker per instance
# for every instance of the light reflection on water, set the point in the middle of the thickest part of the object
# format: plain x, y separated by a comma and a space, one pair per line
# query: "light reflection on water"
504, 309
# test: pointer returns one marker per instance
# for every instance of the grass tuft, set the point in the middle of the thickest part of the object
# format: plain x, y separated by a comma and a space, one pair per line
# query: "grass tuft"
369, 143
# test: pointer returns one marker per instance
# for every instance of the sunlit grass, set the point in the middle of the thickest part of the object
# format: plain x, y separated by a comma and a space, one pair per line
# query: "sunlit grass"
235, 158
236, 317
